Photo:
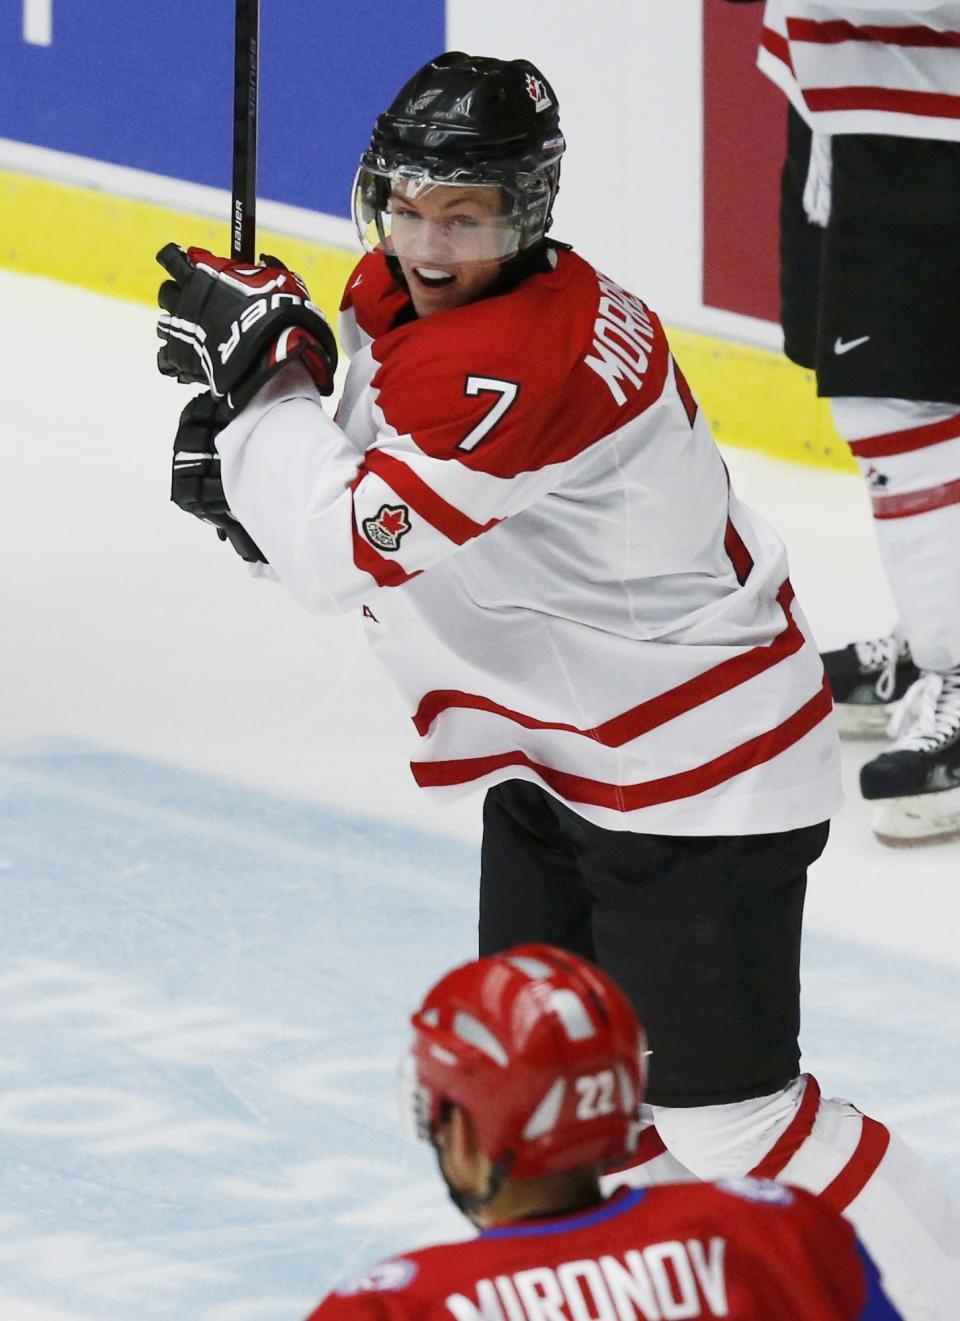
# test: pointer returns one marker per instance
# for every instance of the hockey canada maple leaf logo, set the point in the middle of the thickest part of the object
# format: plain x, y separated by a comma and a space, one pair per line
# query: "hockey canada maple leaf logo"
538, 93
387, 526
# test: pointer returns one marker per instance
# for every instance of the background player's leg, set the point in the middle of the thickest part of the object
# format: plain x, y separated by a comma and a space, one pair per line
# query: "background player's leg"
889, 343
879, 302
530, 883
868, 676
909, 454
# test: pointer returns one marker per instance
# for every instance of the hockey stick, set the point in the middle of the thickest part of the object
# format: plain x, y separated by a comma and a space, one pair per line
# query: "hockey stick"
246, 69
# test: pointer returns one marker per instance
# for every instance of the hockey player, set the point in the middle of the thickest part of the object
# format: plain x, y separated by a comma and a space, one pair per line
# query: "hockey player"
521, 493
527, 1072
870, 279
522, 496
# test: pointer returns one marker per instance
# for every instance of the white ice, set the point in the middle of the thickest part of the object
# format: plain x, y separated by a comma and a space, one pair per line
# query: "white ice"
222, 894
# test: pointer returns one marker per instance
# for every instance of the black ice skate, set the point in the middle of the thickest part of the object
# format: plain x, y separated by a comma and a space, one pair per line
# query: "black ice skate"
916, 785
866, 679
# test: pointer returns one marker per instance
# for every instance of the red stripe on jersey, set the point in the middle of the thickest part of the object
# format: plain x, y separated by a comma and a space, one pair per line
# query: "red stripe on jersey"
837, 30
777, 45
387, 573
793, 1136
630, 797
415, 492
740, 557
650, 1145
656, 711
860, 1168
916, 502
934, 105
685, 393
905, 442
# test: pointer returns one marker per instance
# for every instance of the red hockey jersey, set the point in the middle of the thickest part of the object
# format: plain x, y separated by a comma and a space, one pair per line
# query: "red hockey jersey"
745, 1250
525, 499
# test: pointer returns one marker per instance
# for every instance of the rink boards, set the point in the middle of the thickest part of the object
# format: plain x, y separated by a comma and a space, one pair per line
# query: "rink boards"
115, 126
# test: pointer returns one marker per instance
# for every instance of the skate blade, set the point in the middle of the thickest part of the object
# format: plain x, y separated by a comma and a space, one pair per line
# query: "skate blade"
903, 823
863, 719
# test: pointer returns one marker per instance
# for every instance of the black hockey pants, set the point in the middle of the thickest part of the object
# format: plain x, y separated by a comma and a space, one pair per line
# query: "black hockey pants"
702, 932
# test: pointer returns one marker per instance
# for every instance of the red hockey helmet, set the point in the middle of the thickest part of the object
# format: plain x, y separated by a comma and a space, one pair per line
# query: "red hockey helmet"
542, 1050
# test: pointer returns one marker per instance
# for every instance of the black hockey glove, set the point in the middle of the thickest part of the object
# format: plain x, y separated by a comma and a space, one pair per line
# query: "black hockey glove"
230, 326
196, 486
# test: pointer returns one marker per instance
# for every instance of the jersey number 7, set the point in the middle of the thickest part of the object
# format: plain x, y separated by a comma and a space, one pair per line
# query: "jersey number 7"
506, 391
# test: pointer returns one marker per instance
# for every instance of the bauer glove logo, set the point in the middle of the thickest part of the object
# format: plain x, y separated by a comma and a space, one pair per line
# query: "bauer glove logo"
230, 325
256, 312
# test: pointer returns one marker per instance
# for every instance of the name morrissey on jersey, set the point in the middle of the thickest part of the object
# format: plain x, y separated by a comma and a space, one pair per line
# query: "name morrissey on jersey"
670, 1279
622, 340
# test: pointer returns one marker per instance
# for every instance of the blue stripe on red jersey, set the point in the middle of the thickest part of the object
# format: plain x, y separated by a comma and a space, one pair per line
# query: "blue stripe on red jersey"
616, 1206
878, 1306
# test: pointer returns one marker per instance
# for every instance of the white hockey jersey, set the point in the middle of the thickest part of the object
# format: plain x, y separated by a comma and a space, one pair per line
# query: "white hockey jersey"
899, 1209
524, 499
867, 66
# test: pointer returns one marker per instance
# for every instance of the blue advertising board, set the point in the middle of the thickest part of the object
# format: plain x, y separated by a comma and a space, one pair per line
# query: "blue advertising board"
150, 85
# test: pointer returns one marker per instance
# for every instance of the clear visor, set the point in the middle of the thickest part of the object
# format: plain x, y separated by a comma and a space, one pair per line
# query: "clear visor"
410, 215
413, 1101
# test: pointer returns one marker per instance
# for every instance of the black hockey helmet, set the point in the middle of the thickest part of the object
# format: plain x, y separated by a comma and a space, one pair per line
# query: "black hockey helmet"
466, 120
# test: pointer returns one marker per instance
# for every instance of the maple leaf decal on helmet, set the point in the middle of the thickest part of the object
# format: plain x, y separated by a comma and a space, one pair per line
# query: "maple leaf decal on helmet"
387, 527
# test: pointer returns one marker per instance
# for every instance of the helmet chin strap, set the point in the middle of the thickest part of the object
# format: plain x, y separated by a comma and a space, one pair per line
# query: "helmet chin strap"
470, 1204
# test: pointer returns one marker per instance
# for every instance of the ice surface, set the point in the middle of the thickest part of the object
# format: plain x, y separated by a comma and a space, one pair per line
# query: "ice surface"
222, 893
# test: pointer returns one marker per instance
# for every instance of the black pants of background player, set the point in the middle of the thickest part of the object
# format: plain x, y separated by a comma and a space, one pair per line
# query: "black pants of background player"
886, 267
703, 933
